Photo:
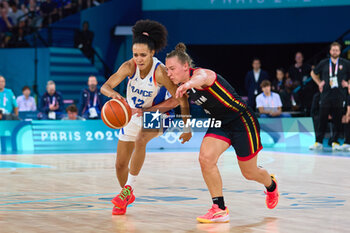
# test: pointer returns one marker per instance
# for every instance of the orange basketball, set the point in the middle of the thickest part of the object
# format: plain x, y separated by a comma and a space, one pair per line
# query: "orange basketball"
116, 113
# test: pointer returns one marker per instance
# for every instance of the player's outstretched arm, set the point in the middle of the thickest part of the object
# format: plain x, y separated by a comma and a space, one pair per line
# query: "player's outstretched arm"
126, 69
201, 78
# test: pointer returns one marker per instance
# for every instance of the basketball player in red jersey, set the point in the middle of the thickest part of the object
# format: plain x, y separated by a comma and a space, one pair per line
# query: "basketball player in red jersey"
239, 128
147, 80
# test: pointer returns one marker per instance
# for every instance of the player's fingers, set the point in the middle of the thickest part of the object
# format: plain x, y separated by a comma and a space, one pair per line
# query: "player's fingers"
178, 93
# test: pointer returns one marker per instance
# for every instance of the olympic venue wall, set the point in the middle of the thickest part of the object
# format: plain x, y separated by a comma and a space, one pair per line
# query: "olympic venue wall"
94, 137
253, 26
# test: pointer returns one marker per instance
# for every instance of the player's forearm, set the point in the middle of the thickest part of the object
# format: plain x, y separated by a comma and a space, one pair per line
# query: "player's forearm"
107, 90
164, 106
197, 81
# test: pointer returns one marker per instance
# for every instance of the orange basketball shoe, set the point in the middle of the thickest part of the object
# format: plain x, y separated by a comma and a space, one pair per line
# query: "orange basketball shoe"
272, 197
124, 198
118, 211
215, 215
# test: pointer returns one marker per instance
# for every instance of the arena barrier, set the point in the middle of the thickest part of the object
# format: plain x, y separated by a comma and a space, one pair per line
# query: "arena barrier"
94, 137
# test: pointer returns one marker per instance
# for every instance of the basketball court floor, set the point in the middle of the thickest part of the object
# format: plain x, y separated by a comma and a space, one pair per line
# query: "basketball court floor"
72, 193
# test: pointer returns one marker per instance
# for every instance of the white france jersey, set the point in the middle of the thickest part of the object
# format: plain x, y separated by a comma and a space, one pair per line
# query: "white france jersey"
141, 92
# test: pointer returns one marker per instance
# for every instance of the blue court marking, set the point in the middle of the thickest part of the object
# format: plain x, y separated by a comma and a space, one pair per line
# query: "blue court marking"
56, 210
305, 151
11, 164
292, 200
54, 199
159, 198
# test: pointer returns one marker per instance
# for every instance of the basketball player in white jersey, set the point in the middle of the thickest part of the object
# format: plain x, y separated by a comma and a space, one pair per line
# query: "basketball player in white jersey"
147, 79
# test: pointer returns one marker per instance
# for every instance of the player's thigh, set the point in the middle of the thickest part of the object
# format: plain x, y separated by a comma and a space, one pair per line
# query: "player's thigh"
212, 147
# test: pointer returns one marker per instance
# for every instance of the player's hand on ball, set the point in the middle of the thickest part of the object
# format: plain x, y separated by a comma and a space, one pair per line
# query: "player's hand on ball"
185, 137
116, 95
137, 111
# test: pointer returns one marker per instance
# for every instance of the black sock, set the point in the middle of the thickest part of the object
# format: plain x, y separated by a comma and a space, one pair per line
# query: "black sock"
272, 187
220, 202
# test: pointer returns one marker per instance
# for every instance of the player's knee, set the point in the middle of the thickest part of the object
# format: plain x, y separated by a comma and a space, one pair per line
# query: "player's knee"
120, 165
141, 140
205, 160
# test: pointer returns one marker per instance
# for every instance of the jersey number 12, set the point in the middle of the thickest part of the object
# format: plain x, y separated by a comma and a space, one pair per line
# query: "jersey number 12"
139, 102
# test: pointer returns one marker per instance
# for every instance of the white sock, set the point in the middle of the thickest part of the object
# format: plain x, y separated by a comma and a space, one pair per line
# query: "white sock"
131, 181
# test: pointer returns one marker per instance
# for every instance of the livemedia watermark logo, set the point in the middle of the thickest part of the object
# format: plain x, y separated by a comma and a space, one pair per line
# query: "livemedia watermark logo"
157, 120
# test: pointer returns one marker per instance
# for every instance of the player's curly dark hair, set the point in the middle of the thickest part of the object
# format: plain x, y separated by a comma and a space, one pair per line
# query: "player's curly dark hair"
150, 32
181, 54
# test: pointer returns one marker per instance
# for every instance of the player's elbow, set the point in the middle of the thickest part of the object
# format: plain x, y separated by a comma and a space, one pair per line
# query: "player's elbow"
104, 89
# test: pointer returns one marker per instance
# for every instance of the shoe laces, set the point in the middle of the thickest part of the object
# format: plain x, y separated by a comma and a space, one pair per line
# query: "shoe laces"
211, 211
124, 193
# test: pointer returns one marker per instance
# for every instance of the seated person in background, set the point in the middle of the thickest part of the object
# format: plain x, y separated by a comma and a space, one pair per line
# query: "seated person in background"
269, 103
287, 97
51, 103
8, 104
72, 113
26, 102
91, 100
278, 83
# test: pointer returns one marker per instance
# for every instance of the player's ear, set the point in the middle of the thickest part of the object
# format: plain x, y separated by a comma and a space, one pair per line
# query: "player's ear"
153, 52
186, 66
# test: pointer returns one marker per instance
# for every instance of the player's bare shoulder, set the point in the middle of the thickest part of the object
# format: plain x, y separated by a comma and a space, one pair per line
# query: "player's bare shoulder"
161, 74
128, 67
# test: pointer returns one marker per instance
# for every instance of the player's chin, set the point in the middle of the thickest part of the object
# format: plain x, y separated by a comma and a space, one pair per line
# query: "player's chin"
174, 81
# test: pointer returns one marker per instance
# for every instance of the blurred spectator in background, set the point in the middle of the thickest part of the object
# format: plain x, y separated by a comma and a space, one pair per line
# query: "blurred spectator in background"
64, 7
16, 15
253, 80
6, 25
49, 11
18, 40
278, 83
72, 113
83, 40
35, 17
26, 102
300, 71
7, 117
269, 103
288, 97
51, 103
91, 100
8, 104
330, 75
303, 86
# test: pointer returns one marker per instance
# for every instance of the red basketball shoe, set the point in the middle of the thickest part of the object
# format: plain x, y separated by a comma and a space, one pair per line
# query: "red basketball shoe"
215, 215
118, 211
124, 198
272, 197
